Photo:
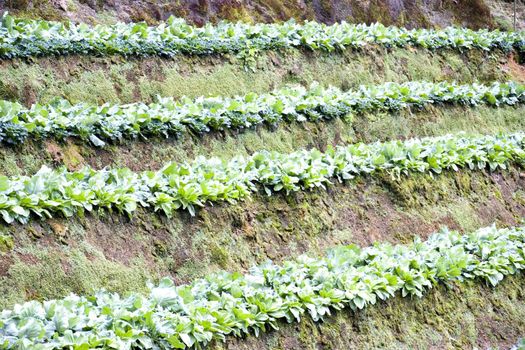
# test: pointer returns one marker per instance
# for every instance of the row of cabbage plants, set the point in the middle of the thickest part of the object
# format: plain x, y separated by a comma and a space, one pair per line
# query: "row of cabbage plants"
23, 38
167, 117
190, 185
180, 317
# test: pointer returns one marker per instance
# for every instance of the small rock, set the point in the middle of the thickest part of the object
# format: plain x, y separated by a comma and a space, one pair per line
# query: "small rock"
58, 229
35, 233
61, 4
275, 60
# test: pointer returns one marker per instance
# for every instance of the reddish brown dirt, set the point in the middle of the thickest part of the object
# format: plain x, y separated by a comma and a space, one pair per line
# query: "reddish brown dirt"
516, 70
5, 263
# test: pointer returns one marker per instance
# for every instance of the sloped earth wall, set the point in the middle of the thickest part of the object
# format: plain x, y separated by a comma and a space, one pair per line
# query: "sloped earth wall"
411, 13
124, 80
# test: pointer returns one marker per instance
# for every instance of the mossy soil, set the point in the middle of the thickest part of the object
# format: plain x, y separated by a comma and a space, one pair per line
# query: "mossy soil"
119, 79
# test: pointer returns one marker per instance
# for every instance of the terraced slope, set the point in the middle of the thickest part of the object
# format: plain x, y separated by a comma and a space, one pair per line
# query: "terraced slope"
44, 259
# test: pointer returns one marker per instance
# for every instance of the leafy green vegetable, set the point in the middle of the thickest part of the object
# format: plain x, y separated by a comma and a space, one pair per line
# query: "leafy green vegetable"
225, 304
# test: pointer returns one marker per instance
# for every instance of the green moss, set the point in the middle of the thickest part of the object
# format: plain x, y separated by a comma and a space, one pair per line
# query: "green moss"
220, 256
20, 81
223, 79
504, 24
464, 215
519, 196
115, 79
35, 9
95, 87
377, 11
6, 243
72, 5
235, 13
71, 157
43, 273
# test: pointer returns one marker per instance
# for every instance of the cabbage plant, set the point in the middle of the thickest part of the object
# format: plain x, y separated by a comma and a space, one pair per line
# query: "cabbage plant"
26, 37
167, 117
187, 186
